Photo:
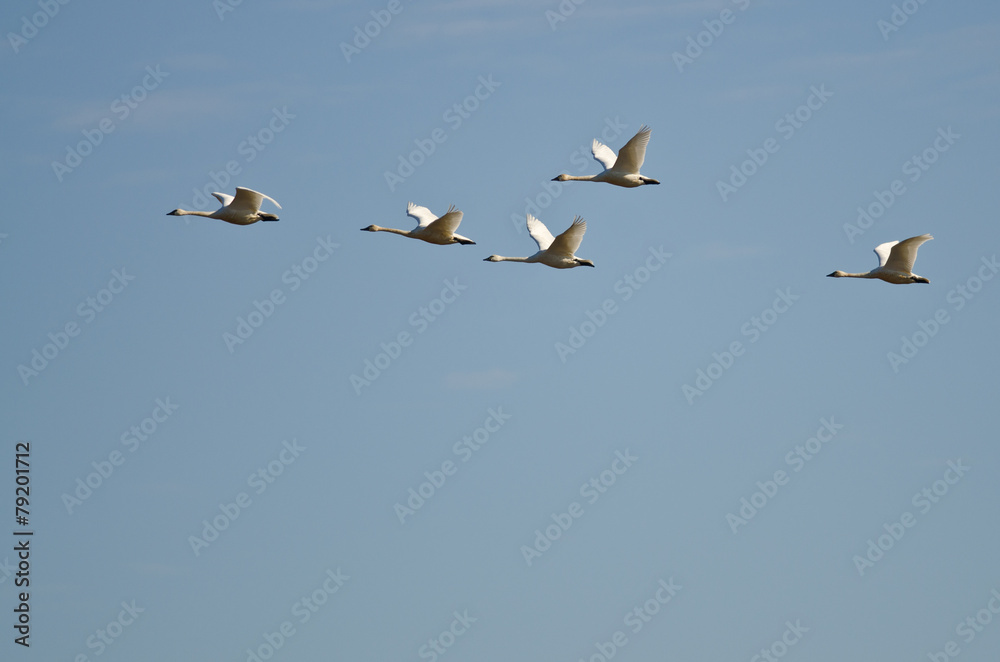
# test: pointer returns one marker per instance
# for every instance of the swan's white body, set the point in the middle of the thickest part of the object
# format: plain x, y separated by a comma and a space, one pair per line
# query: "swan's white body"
243, 209
620, 170
430, 228
895, 262
557, 252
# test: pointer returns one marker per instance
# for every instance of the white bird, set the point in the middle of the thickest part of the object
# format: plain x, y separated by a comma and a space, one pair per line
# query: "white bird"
430, 228
555, 252
895, 262
244, 209
620, 170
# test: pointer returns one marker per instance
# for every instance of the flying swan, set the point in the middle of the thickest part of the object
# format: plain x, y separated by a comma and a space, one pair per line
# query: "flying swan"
621, 170
555, 252
895, 262
244, 209
429, 228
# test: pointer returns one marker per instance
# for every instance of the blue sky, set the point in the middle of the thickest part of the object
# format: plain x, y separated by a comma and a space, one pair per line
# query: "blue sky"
752, 455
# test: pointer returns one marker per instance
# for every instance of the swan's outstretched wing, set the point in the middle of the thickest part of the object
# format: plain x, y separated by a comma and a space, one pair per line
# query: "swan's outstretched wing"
448, 223
603, 154
223, 198
422, 215
539, 233
567, 243
883, 250
631, 156
250, 200
904, 253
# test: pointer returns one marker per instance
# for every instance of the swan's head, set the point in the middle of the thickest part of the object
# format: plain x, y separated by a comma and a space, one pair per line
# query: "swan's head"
919, 279
267, 217
561, 178
493, 258
836, 274
583, 263
371, 228
176, 212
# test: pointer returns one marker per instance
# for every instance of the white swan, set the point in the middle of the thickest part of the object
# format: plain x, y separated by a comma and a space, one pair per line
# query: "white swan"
895, 262
555, 252
621, 170
244, 209
429, 228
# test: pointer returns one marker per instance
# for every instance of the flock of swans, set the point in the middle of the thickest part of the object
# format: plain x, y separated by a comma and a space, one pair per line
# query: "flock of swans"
895, 258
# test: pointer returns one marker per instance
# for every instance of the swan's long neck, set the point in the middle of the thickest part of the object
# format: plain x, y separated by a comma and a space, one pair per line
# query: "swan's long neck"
405, 233
844, 274
501, 258
575, 178
184, 212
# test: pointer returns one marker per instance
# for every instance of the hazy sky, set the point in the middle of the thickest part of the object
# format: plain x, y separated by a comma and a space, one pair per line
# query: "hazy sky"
297, 441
